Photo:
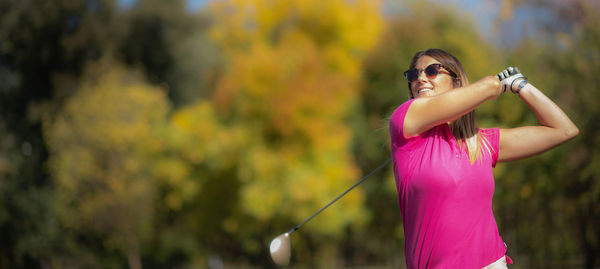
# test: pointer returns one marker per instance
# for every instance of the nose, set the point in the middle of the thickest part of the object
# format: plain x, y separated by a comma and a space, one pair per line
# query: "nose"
422, 76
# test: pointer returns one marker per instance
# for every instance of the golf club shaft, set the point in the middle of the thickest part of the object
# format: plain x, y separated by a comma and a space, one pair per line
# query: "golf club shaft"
339, 196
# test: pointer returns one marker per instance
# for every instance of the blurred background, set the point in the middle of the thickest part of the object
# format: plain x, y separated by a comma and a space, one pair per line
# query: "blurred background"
188, 134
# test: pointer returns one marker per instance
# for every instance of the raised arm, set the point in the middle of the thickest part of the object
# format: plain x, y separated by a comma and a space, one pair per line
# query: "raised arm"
428, 111
555, 128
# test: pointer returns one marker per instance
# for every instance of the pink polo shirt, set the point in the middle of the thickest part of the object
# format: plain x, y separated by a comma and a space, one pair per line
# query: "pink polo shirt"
446, 203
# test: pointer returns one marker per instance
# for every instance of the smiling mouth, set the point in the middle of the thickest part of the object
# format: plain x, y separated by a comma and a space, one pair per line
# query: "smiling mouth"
421, 91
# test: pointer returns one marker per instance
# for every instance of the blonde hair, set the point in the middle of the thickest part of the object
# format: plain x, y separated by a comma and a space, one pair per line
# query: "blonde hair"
464, 128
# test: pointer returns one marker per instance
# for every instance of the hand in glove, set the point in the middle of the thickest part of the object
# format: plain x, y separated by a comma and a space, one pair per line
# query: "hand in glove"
511, 78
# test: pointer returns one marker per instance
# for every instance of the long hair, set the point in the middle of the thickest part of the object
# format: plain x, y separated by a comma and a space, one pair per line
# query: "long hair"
464, 128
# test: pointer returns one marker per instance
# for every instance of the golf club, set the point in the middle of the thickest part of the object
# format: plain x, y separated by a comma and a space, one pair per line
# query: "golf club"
280, 247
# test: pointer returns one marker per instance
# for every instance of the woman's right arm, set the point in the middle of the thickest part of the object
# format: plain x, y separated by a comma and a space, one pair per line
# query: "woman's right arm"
427, 112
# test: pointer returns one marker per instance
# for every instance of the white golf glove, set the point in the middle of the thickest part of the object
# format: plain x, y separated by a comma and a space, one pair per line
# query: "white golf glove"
511, 78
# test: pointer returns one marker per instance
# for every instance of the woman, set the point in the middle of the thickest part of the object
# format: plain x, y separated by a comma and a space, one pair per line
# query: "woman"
443, 162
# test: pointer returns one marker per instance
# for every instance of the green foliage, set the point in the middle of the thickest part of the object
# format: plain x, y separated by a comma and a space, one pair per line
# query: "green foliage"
558, 192
38, 43
101, 148
180, 54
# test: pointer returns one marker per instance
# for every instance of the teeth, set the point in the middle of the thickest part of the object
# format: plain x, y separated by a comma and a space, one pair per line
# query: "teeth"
424, 90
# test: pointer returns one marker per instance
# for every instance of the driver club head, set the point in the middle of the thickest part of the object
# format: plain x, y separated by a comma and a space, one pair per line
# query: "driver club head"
280, 249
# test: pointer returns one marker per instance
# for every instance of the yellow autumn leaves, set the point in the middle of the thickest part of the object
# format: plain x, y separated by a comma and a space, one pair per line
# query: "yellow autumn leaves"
292, 80
276, 125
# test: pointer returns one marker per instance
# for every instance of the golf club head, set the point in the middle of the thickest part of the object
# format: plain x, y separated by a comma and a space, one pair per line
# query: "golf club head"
280, 249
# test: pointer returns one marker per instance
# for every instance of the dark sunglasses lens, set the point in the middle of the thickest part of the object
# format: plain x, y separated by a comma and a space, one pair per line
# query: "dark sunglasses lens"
432, 70
411, 75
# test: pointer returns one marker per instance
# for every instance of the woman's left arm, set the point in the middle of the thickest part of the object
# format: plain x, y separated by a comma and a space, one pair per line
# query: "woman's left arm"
555, 128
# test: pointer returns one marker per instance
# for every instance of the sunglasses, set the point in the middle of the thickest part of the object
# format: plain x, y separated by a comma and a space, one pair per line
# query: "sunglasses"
431, 70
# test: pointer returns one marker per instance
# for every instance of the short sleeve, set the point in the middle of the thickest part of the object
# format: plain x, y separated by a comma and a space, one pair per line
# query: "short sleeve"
492, 140
397, 122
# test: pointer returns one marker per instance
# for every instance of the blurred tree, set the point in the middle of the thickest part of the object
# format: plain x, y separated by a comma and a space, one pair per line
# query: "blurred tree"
102, 145
44, 46
291, 81
199, 169
171, 45
40, 42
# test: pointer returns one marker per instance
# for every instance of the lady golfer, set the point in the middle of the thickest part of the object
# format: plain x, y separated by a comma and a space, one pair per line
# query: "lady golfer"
443, 162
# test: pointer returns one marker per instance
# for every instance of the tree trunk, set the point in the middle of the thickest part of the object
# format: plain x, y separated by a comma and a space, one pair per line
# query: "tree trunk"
133, 258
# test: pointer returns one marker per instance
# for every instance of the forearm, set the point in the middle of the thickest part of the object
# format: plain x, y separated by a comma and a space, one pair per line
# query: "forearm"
555, 126
427, 112
547, 112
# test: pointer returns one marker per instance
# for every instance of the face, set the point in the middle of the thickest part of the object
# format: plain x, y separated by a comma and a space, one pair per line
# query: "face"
430, 85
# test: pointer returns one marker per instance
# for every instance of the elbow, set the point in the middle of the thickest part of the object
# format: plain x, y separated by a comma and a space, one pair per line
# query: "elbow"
571, 133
